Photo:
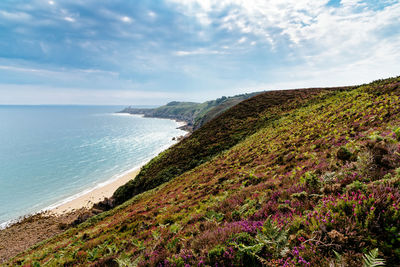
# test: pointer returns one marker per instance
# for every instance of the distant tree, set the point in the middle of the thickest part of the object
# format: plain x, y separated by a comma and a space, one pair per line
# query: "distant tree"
221, 99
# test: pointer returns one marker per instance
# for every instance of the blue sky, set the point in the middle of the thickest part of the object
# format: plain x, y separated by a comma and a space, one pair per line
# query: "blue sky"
151, 52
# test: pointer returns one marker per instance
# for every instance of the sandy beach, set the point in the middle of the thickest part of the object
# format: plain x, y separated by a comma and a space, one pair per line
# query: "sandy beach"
98, 194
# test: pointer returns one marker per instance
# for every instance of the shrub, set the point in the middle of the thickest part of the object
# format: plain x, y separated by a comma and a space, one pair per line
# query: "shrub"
216, 252
397, 133
244, 238
175, 228
344, 154
311, 180
356, 186
300, 196
376, 137
213, 215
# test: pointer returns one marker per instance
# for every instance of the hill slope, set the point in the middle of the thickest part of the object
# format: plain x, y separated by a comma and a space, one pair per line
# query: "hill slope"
216, 136
309, 176
194, 114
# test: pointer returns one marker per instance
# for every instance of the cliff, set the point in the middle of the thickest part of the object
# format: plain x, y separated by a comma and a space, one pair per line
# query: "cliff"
194, 114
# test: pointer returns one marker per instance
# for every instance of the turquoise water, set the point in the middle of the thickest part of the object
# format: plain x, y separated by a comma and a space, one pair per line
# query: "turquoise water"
50, 153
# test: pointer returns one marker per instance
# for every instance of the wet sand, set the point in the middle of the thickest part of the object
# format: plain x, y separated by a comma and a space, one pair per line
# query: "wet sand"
98, 194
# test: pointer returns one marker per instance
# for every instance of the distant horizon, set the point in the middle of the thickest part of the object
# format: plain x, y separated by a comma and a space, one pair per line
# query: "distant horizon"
151, 52
170, 100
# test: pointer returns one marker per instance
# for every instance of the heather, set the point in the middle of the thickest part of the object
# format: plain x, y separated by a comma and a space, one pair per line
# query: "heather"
309, 181
216, 136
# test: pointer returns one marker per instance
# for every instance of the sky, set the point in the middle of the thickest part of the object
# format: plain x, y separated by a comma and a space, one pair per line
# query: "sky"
131, 52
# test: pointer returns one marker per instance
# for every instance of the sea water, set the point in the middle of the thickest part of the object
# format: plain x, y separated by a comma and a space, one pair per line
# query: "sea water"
51, 153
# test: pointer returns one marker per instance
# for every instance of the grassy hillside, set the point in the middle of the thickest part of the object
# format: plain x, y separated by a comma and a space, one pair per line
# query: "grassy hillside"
194, 114
216, 136
306, 178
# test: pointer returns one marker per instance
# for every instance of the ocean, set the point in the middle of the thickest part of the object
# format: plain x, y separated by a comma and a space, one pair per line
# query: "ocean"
51, 153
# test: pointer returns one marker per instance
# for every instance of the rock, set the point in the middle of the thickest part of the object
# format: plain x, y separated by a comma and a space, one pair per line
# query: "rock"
82, 218
104, 205
96, 211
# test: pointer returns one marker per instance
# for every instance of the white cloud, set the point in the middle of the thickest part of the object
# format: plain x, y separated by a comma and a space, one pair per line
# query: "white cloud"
60, 73
109, 14
69, 19
152, 14
242, 40
126, 19
51, 2
316, 34
299, 20
15, 16
201, 51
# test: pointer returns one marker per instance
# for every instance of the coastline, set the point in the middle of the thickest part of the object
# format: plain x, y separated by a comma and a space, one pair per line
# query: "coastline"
183, 124
21, 233
88, 199
90, 196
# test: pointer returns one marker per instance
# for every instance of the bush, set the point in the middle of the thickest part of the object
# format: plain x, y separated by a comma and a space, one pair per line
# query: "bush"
356, 186
300, 196
344, 154
397, 133
216, 252
311, 180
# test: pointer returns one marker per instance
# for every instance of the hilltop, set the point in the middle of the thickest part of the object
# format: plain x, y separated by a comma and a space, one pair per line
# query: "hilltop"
194, 114
304, 177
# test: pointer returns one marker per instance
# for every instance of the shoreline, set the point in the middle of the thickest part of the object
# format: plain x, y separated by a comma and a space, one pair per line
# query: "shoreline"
182, 124
87, 199
19, 234
95, 195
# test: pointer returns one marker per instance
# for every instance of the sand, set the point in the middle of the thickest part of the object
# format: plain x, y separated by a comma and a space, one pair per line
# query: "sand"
20, 236
98, 194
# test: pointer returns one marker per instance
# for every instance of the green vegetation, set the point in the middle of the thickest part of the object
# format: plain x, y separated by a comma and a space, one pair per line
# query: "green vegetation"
194, 114
371, 259
218, 135
286, 178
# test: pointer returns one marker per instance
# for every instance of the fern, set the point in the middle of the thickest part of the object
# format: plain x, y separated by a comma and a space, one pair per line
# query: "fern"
339, 262
125, 261
271, 238
138, 244
371, 259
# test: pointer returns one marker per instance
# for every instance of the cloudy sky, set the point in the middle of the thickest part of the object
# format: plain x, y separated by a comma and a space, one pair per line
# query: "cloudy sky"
151, 52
